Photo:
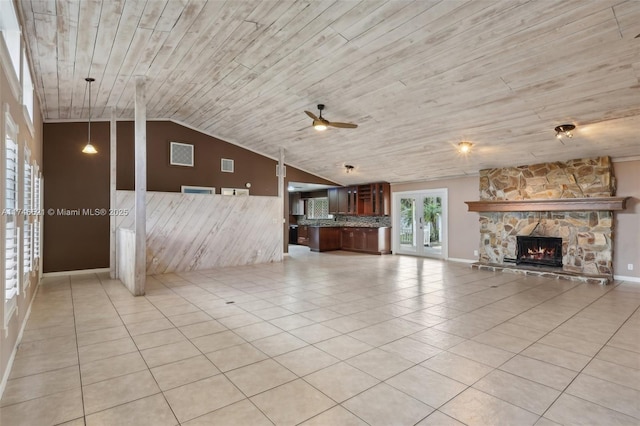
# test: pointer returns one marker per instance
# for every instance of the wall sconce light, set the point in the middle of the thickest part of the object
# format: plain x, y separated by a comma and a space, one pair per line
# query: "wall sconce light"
89, 149
564, 130
348, 168
464, 147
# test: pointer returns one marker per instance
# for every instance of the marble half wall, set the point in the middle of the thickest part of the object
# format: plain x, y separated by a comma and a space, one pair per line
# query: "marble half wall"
189, 232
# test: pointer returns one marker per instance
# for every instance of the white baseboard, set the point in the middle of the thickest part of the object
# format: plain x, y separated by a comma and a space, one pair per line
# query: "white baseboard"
627, 279
455, 259
80, 272
5, 377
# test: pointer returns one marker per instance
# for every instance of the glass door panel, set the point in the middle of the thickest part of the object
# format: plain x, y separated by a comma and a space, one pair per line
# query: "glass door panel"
408, 225
420, 223
432, 223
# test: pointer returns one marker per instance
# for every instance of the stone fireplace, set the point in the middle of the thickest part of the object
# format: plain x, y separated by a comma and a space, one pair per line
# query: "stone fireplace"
565, 203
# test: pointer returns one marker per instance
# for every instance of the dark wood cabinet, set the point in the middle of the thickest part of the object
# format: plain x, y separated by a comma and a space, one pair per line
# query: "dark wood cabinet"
367, 240
303, 235
364, 200
374, 199
334, 204
347, 239
324, 238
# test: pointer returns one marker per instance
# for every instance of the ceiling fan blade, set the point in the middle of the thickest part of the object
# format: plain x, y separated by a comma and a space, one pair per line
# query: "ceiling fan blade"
312, 115
342, 125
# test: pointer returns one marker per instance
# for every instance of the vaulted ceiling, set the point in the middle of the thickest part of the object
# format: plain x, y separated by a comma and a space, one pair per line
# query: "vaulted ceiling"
416, 76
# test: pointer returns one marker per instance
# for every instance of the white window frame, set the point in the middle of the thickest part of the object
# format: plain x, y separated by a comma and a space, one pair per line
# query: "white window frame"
37, 224
234, 191
27, 92
188, 189
311, 207
27, 226
11, 45
11, 139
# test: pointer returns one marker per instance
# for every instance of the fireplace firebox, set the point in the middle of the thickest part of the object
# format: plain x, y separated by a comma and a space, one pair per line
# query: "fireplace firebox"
542, 251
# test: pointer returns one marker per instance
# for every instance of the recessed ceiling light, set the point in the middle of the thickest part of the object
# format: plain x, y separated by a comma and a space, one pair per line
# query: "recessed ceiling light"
564, 130
464, 147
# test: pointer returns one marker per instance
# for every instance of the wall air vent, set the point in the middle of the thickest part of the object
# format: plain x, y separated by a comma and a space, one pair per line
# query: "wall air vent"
226, 165
181, 154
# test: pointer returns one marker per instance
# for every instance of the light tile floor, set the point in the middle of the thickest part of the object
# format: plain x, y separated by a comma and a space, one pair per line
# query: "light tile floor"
329, 339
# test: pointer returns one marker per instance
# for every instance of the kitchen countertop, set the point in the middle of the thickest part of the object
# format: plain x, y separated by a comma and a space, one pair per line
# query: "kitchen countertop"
347, 226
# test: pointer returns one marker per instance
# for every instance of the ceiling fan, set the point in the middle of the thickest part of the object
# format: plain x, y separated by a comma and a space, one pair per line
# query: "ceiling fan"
320, 123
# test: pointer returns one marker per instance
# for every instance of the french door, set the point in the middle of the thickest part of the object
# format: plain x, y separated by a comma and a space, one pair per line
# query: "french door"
420, 223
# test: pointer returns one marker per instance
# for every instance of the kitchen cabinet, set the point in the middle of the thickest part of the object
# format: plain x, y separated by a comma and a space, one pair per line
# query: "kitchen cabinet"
296, 204
303, 235
334, 204
366, 240
324, 238
343, 200
374, 199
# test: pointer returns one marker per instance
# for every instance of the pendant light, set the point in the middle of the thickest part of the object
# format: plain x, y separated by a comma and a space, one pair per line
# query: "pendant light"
89, 149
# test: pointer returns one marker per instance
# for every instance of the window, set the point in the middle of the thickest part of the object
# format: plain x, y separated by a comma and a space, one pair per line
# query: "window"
11, 228
318, 208
234, 191
27, 87
11, 33
186, 189
26, 224
38, 218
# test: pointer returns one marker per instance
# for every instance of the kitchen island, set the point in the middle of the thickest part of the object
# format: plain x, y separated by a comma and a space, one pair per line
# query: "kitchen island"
374, 240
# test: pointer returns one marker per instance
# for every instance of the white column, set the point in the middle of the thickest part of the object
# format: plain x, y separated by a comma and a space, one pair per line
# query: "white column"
112, 194
140, 187
281, 194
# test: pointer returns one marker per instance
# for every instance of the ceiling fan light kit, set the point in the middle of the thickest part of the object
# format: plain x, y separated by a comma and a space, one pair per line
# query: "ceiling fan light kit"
321, 124
564, 130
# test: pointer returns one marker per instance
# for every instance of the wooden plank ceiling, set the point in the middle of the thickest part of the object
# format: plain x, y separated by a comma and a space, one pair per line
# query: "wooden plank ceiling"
416, 76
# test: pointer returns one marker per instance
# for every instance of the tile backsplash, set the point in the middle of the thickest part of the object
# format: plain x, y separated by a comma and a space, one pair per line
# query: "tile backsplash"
349, 220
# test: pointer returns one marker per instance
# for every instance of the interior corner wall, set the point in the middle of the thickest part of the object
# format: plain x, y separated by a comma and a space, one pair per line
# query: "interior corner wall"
626, 248
77, 183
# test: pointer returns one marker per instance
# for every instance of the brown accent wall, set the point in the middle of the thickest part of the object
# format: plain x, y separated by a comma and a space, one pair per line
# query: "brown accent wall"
79, 181
74, 180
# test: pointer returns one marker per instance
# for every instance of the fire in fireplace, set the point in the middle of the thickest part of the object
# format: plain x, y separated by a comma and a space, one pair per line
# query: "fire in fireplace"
545, 251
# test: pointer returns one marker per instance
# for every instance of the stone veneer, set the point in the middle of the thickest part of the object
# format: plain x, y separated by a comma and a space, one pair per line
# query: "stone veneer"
586, 235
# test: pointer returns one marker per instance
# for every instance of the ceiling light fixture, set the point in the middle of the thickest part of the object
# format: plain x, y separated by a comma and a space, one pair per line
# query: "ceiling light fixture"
319, 125
564, 130
464, 147
89, 149
348, 168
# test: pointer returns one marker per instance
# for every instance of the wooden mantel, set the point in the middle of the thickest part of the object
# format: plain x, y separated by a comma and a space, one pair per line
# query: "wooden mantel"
558, 205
